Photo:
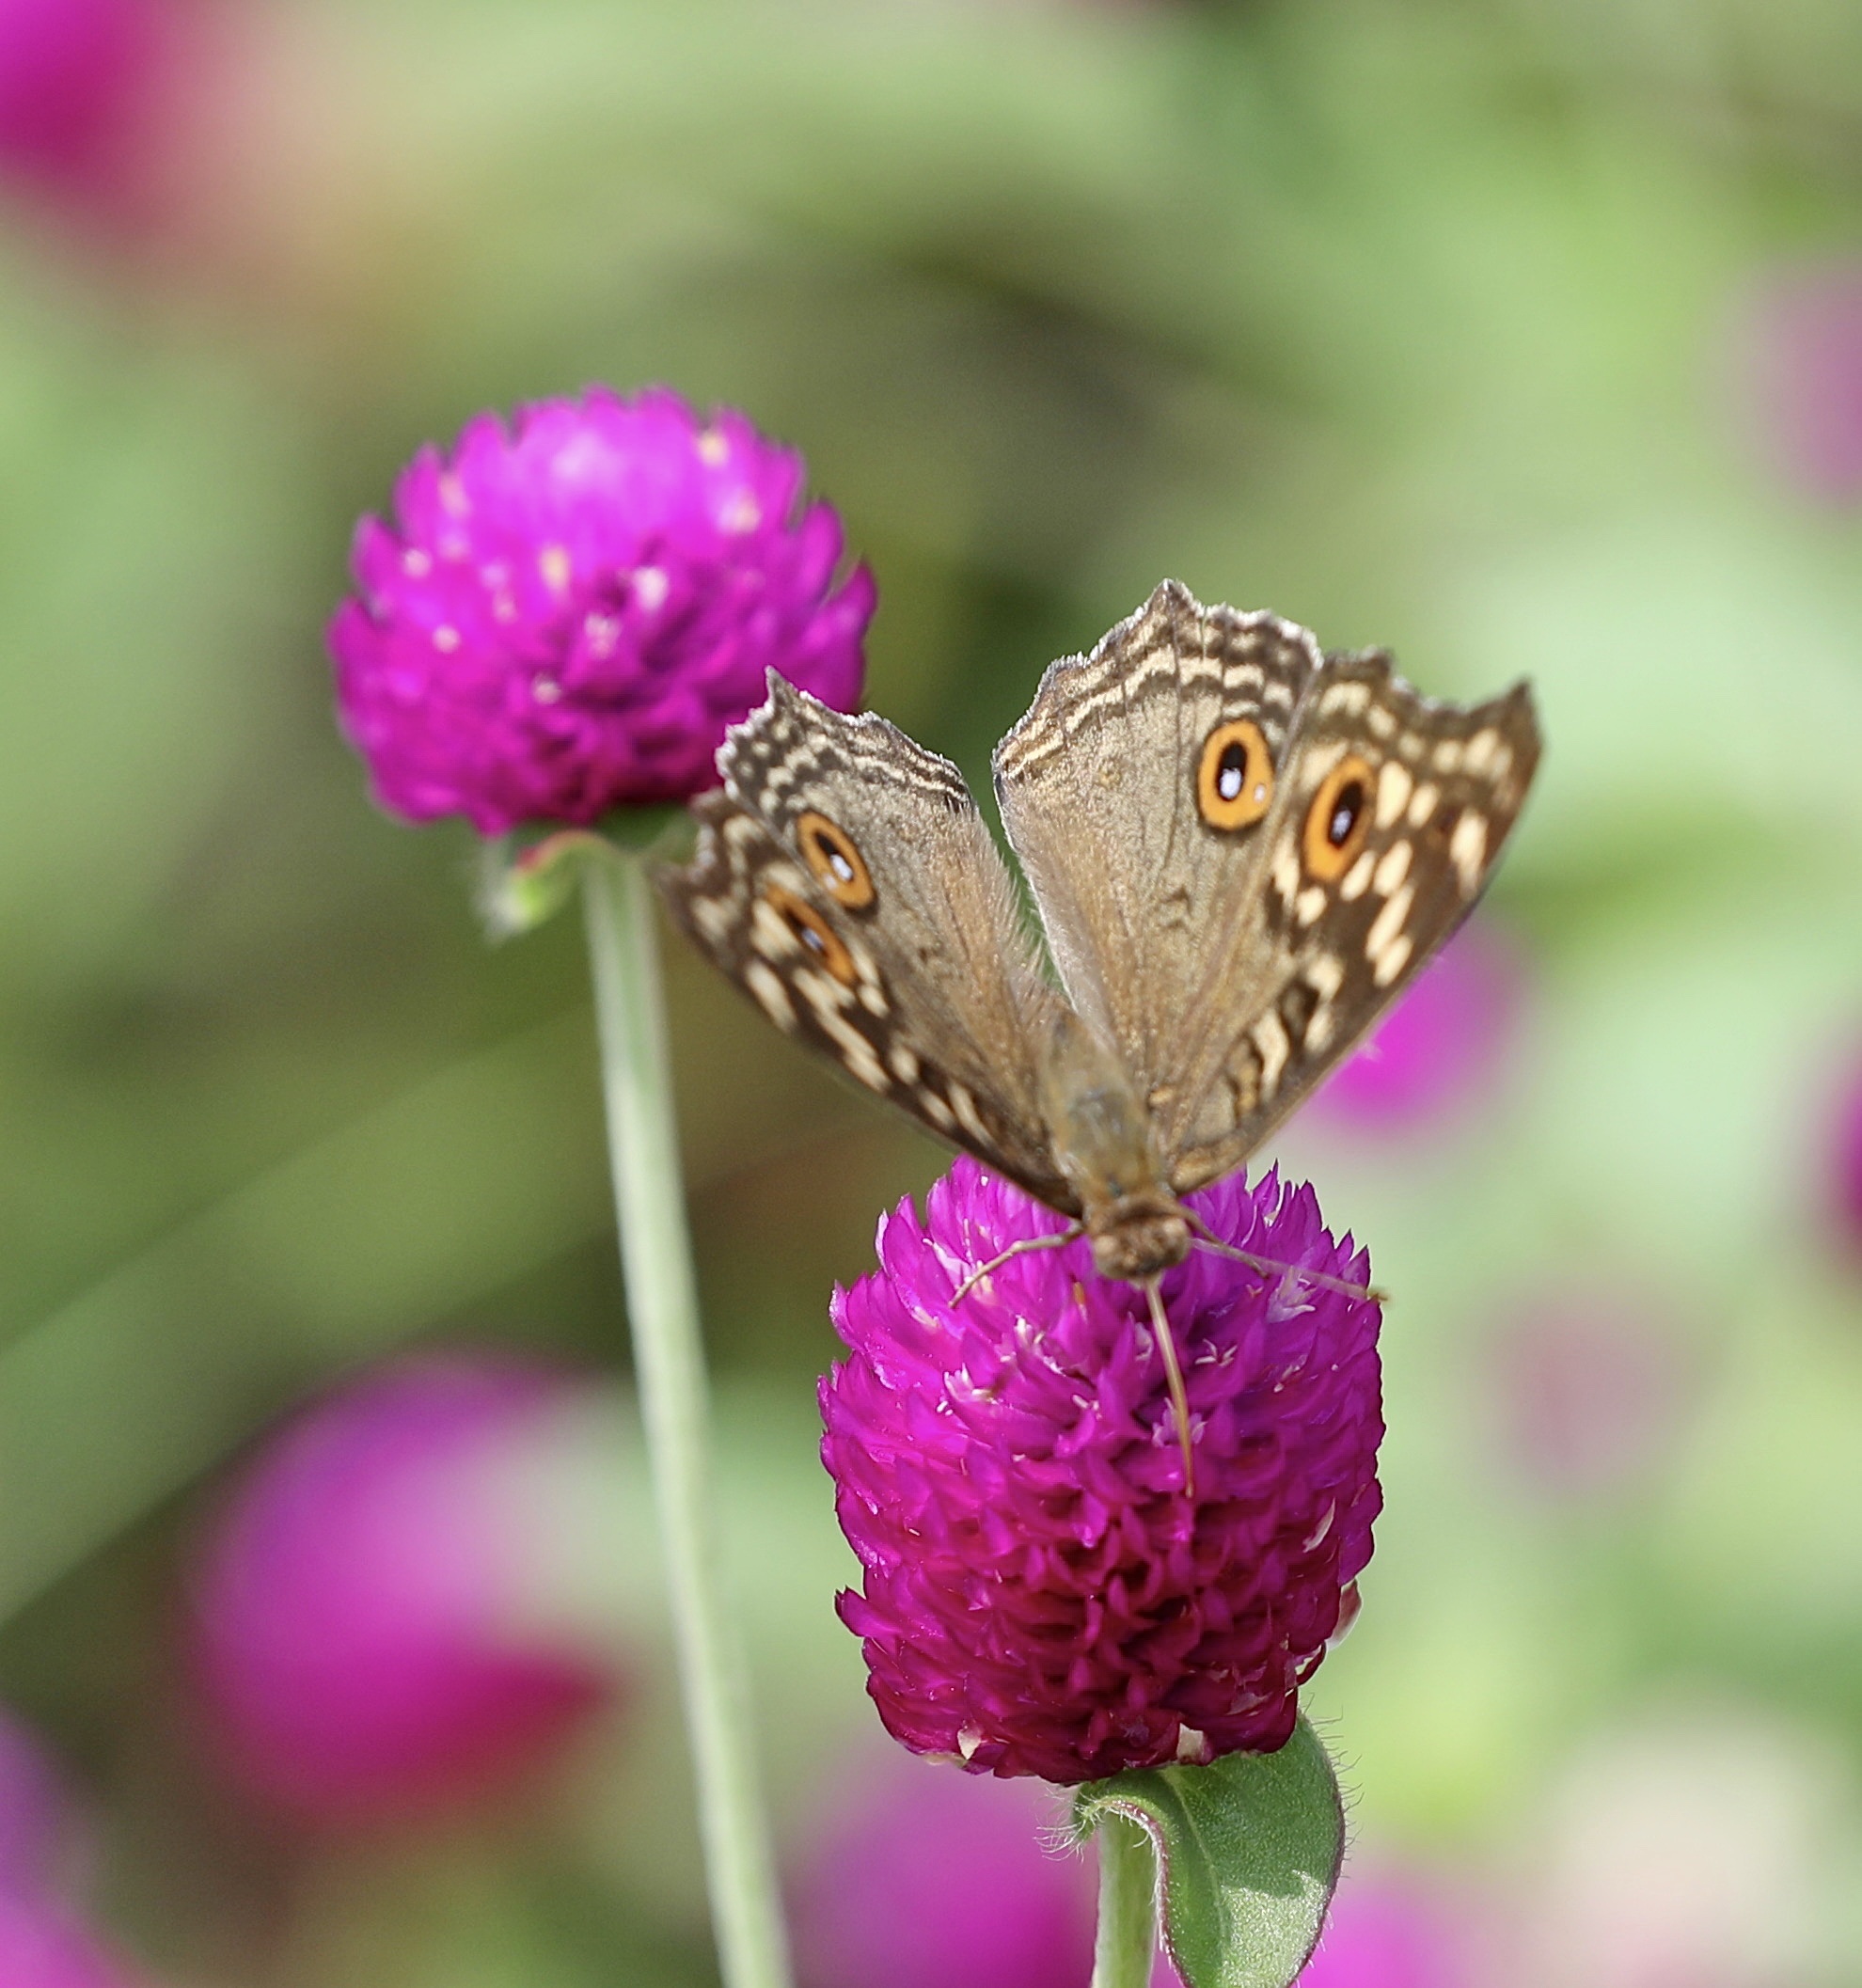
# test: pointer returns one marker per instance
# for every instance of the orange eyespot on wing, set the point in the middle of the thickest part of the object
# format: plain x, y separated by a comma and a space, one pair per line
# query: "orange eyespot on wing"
1339, 819
811, 932
1234, 776
834, 857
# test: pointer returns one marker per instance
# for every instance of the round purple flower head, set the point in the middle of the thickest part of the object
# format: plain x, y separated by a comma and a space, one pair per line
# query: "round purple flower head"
571, 610
1040, 1597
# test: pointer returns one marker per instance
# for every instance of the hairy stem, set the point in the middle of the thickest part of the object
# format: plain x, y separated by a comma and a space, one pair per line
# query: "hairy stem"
669, 1359
1126, 1942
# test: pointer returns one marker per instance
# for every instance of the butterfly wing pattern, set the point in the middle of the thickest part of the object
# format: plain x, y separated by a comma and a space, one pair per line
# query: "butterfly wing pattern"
1243, 850
845, 879
1385, 831
1103, 792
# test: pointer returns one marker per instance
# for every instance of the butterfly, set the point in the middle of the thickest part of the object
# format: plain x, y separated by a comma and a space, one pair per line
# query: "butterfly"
1241, 850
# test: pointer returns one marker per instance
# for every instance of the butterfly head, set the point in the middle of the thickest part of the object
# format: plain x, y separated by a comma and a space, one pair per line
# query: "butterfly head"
1138, 1235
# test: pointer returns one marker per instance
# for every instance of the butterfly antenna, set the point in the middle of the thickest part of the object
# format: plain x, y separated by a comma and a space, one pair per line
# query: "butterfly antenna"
1324, 1279
1023, 1248
1179, 1397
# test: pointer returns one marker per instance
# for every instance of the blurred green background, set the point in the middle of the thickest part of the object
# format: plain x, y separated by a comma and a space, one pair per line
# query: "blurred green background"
1438, 324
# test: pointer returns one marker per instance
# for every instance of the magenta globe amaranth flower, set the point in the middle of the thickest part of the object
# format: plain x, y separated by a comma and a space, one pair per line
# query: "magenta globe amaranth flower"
1039, 1596
570, 611
357, 1630
922, 1878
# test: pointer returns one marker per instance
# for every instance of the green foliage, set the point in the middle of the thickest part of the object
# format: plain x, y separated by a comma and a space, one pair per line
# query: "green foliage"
1251, 1848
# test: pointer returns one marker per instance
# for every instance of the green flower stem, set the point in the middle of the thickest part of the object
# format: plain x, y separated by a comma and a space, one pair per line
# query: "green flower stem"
1126, 1942
669, 1357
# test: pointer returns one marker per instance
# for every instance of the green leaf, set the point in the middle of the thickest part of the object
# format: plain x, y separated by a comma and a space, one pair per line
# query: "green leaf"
522, 883
1250, 1847
521, 886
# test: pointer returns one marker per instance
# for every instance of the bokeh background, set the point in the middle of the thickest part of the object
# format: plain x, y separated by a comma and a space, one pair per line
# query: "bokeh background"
1523, 335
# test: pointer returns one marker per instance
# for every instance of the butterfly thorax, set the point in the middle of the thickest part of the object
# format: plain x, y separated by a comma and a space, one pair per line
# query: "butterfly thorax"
1104, 1145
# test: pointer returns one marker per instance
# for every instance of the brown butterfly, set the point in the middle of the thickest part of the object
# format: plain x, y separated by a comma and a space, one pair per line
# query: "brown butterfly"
1241, 850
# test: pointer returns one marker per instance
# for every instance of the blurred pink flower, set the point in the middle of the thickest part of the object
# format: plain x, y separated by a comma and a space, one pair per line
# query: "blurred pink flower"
1696, 1844
81, 83
1846, 1154
1589, 1385
1803, 360
1386, 1931
1440, 1046
569, 611
42, 1947
926, 1877
1383, 1931
35, 1811
353, 1631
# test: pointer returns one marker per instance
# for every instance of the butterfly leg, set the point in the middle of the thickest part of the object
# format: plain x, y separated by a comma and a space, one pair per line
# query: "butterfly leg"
1180, 1396
1322, 1278
1017, 1249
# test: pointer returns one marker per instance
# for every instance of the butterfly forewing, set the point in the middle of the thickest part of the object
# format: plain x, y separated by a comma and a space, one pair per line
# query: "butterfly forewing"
1107, 785
1384, 833
845, 880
